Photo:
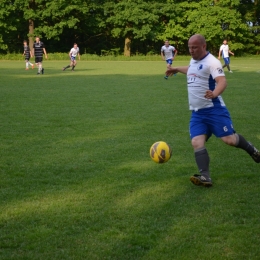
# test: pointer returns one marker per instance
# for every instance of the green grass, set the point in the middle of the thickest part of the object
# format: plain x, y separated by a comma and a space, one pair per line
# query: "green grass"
76, 180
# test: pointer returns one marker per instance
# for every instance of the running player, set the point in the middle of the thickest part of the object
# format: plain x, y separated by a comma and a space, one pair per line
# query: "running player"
224, 49
38, 50
27, 54
73, 54
168, 54
206, 81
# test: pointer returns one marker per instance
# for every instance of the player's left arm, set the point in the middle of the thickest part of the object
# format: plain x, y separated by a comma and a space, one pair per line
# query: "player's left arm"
175, 54
219, 89
79, 55
231, 52
45, 53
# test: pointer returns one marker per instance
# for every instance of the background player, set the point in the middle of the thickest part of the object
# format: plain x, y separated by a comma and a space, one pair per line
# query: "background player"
225, 54
27, 54
73, 54
206, 82
38, 50
168, 54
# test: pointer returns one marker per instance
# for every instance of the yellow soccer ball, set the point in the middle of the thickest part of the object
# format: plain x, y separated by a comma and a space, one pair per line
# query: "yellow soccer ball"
160, 152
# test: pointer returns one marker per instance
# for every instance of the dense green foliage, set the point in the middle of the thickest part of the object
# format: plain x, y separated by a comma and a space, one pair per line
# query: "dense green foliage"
77, 182
103, 25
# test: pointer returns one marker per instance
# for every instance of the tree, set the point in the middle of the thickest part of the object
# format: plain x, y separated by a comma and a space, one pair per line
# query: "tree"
45, 18
215, 20
250, 11
136, 19
7, 22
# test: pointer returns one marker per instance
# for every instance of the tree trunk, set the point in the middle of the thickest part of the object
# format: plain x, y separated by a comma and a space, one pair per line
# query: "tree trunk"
31, 31
127, 49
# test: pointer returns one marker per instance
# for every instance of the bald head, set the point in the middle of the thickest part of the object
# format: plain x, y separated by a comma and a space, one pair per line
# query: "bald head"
198, 37
197, 46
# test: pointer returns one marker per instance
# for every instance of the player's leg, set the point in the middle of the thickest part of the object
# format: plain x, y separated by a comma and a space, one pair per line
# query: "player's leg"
26, 64
74, 65
239, 141
37, 64
222, 127
227, 62
199, 135
39, 67
168, 66
64, 68
31, 64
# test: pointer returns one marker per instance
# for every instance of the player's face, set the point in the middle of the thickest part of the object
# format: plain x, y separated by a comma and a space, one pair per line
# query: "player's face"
166, 43
75, 46
37, 39
225, 42
197, 49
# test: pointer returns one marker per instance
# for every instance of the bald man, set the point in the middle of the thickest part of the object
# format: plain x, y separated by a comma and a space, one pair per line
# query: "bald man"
206, 82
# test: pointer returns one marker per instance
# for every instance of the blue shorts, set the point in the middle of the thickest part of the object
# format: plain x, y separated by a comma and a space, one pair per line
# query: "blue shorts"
226, 60
72, 58
213, 120
169, 61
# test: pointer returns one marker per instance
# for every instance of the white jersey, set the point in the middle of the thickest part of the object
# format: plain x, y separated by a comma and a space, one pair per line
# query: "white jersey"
225, 50
201, 76
168, 51
74, 52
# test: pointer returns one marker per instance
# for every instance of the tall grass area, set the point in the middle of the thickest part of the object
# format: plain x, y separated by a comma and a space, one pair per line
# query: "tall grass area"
76, 179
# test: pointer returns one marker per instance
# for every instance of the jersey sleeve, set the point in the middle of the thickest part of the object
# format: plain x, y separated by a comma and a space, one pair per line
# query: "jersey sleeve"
216, 69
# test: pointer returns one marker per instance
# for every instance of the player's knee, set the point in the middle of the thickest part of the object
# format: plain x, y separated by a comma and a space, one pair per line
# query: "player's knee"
197, 142
229, 140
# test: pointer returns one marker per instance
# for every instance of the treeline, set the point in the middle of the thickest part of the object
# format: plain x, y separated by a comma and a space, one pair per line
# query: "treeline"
129, 26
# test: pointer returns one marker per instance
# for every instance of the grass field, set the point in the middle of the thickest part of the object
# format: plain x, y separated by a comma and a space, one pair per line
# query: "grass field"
76, 180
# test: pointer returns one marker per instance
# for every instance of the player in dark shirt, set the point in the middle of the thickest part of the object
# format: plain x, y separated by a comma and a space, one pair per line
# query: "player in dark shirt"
27, 54
38, 50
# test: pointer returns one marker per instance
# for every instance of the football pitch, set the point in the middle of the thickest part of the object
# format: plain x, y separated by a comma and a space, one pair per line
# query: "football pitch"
76, 179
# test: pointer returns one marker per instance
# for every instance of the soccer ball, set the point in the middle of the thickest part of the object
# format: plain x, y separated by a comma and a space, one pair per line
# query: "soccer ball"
160, 152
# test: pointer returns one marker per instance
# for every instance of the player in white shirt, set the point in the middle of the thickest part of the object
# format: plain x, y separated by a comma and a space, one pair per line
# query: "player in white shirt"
168, 53
224, 49
206, 82
73, 54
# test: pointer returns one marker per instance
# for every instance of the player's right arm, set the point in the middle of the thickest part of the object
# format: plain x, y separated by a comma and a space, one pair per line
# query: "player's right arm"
175, 70
219, 89
219, 53
162, 55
